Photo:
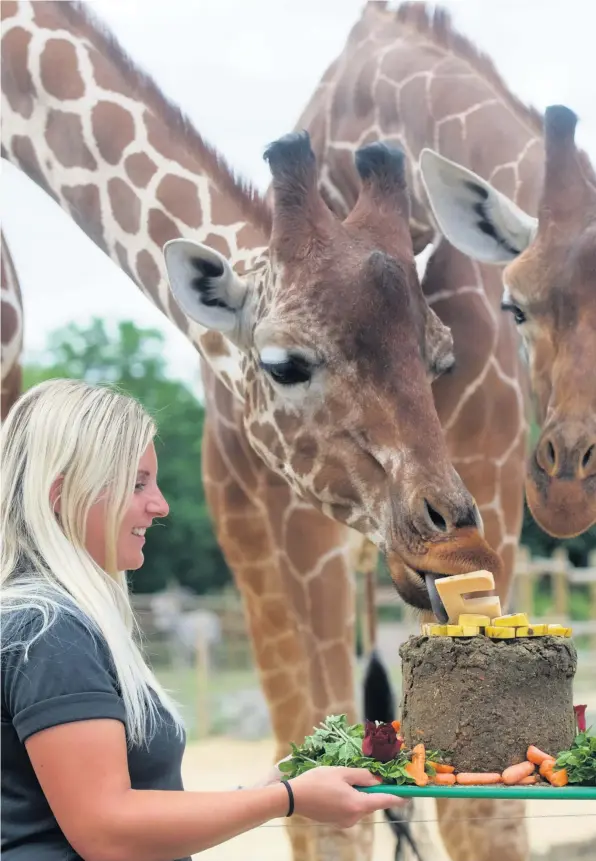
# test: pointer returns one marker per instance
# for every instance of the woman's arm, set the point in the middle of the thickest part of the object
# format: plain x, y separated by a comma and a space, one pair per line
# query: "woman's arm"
82, 769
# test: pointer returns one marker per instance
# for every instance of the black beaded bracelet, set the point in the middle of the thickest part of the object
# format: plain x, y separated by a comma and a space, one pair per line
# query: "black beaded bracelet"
291, 797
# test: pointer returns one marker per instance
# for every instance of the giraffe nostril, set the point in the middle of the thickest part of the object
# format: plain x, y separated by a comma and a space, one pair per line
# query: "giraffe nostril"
435, 517
588, 457
547, 456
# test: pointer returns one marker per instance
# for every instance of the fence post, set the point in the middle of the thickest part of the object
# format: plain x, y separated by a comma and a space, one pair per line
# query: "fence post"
561, 583
202, 671
525, 581
366, 575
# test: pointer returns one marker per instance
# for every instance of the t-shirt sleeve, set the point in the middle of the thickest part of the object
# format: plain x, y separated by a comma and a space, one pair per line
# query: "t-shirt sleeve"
68, 676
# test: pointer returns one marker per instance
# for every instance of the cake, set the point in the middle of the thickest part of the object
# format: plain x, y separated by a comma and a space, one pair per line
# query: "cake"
484, 699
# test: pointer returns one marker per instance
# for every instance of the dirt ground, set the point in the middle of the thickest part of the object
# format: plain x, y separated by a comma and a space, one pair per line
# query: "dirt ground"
550, 823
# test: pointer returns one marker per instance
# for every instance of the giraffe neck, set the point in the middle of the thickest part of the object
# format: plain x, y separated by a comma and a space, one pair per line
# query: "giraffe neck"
120, 159
11, 326
408, 78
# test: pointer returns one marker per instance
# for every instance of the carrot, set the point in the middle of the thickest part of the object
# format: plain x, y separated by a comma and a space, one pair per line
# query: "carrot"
479, 777
416, 768
516, 772
555, 778
546, 767
529, 780
440, 768
396, 724
559, 778
537, 756
443, 779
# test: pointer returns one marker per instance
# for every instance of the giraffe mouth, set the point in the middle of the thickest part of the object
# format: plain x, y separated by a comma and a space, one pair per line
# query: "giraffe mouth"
428, 589
436, 604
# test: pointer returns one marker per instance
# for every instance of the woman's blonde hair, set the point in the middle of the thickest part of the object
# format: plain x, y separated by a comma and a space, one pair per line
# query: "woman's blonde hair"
91, 438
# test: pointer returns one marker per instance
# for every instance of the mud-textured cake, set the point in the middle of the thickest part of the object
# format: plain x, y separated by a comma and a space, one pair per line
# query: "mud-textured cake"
486, 700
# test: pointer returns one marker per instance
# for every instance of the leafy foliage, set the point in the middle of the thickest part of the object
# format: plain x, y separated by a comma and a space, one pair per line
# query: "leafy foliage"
580, 760
335, 742
183, 547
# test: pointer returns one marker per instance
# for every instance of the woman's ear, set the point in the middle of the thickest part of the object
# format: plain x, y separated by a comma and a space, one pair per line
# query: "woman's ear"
55, 493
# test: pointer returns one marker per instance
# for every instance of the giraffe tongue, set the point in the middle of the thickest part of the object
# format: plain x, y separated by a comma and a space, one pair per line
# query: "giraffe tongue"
435, 600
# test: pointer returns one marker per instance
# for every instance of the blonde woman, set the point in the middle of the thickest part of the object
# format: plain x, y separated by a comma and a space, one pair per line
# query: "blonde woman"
92, 745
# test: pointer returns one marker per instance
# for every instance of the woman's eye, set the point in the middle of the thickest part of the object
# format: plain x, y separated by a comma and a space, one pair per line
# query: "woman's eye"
518, 315
288, 373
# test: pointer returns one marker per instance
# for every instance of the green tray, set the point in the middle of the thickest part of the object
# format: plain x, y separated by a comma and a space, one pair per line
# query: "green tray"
537, 793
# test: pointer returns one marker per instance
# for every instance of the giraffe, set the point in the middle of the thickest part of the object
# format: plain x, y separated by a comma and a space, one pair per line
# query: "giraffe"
11, 330
319, 351
550, 288
406, 76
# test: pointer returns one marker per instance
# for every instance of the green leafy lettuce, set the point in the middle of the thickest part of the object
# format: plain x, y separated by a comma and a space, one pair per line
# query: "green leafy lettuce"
580, 760
335, 742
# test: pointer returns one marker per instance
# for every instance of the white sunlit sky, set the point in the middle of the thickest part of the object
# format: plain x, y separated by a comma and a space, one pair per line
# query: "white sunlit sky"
243, 70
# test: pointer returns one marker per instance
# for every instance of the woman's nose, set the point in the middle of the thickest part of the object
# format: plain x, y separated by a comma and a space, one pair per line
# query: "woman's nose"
158, 505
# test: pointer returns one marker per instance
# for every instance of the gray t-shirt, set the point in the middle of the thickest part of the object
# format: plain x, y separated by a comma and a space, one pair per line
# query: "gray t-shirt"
69, 676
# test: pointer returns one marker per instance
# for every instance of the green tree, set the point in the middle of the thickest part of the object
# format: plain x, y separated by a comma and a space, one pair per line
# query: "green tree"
183, 546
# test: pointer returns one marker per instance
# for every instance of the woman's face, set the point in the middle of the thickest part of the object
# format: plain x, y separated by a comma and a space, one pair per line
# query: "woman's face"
146, 503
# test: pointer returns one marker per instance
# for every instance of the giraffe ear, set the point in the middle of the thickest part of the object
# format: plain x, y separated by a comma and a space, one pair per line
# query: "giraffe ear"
204, 285
476, 218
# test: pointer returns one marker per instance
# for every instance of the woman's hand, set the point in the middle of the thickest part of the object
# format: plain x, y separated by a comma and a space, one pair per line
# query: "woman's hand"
274, 775
327, 794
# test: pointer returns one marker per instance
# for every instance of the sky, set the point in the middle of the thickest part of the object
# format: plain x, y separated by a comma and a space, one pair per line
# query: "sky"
243, 70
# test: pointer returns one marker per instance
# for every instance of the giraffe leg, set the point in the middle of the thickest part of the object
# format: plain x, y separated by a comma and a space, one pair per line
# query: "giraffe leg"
483, 829
291, 566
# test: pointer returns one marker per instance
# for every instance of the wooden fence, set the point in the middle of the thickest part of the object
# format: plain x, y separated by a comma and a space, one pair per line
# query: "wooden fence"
564, 577
554, 576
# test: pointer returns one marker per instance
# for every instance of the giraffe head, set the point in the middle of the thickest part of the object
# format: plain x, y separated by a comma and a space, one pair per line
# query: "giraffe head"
550, 287
339, 352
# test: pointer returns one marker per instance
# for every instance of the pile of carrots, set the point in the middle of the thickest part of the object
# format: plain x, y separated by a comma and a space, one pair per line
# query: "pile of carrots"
520, 774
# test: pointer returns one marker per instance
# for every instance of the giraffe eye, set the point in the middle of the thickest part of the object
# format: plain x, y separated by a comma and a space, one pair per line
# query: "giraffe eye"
518, 314
291, 372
